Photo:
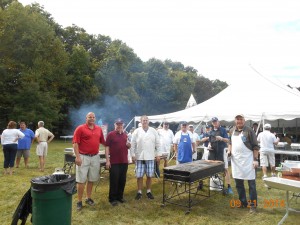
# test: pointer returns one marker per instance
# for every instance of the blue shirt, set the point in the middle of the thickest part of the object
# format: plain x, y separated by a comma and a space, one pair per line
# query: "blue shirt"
25, 142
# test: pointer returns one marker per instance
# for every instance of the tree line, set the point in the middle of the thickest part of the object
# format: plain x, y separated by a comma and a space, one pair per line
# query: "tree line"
47, 71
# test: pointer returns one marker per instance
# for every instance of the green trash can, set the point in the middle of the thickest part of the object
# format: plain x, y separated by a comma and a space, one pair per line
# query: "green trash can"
52, 199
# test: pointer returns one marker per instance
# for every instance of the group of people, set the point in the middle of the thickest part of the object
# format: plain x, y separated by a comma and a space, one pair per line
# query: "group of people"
16, 143
146, 146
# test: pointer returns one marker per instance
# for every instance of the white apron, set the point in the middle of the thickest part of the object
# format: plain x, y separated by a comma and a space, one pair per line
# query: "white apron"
241, 159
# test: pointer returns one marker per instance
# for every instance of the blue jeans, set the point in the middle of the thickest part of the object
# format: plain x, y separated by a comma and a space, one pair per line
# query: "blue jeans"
9, 152
239, 184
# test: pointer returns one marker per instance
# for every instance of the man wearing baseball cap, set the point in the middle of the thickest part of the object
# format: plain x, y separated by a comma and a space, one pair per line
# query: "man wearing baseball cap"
184, 144
116, 154
218, 140
243, 148
267, 141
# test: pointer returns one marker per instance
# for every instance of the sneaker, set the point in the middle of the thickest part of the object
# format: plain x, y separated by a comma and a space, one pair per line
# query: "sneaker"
138, 196
229, 191
253, 210
114, 203
264, 176
150, 196
90, 202
274, 175
79, 206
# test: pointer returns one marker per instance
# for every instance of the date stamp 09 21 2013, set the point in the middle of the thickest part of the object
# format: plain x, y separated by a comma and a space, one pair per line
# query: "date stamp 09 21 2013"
267, 203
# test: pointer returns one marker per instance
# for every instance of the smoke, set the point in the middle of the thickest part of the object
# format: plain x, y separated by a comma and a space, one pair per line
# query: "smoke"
107, 113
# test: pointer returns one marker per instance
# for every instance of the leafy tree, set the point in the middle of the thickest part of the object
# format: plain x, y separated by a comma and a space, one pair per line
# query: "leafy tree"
205, 88
32, 57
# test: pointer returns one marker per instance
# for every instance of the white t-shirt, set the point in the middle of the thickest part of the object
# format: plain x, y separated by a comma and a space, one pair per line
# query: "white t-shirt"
178, 136
267, 140
9, 136
196, 138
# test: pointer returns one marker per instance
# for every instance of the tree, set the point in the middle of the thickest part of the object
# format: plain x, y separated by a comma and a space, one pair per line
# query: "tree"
32, 57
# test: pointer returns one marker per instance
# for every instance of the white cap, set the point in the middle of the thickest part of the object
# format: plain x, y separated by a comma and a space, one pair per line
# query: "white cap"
267, 126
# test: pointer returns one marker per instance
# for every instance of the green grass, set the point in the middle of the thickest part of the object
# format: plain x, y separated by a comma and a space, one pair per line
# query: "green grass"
214, 210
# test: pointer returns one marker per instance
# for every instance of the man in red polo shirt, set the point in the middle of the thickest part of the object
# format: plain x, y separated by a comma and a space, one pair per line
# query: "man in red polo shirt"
86, 143
116, 153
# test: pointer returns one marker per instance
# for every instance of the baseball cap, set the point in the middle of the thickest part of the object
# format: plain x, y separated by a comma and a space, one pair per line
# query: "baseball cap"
183, 123
267, 126
214, 119
240, 115
119, 120
191, 125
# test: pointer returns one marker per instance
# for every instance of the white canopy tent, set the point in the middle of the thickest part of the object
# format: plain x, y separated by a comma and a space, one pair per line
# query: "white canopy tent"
257, 97
191, 102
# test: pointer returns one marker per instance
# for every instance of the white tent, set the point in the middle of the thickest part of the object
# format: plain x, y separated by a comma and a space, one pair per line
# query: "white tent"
257, 97
191, 102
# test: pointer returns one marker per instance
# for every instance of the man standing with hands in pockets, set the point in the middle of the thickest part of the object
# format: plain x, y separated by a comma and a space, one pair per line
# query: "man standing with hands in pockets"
86, 142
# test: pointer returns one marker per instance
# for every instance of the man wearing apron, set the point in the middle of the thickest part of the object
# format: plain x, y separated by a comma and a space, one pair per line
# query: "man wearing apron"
243, 148
184, 144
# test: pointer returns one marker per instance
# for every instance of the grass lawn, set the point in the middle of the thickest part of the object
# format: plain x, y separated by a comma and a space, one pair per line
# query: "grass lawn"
214, 210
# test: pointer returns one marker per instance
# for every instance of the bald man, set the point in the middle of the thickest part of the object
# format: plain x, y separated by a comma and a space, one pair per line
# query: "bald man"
86, 142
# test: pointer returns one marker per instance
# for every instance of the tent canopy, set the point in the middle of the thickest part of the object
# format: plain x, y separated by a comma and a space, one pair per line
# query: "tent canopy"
257, 97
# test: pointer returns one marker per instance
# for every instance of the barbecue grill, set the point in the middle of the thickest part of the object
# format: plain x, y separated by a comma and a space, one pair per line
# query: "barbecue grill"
182, 182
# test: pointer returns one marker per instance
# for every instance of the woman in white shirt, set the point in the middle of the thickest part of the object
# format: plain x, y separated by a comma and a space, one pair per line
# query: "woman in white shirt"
9, 141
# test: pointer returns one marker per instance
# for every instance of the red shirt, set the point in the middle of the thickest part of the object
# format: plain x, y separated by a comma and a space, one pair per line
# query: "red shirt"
118, 150
88, 140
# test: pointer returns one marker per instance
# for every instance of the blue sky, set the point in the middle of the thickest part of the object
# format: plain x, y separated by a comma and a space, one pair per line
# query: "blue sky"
220, 38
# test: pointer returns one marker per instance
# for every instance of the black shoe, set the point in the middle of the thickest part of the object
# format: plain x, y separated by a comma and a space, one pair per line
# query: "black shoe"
79, 206
122, 200
90, 202
114, 203
149, 195
138, 196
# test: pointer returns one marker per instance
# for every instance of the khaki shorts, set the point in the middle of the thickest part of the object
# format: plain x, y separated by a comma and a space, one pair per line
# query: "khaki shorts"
42, 149
89, 169
266, 158
23, 152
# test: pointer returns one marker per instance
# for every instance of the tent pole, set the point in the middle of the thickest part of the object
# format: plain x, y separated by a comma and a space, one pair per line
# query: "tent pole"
129, 123
198, 125
261, 118
296, 133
